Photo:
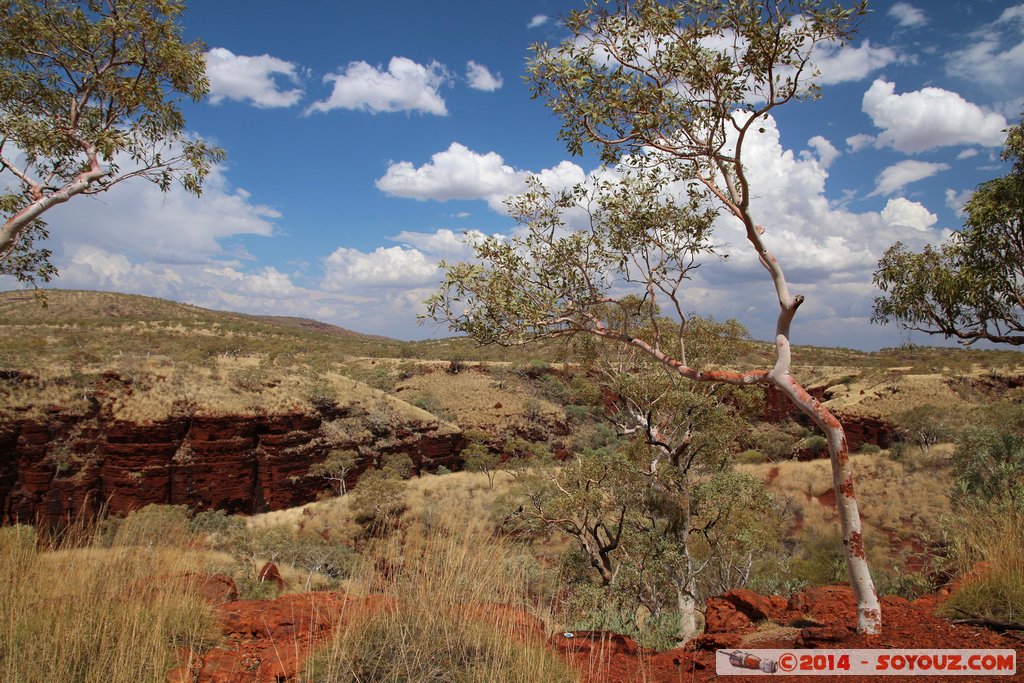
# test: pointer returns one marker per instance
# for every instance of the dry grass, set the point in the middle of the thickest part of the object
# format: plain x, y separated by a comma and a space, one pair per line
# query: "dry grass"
425, 498
92, 614
457, 608
476, 400
987, 546
902, 504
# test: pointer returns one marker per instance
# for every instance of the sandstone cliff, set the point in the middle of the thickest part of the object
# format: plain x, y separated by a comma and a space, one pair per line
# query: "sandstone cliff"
61, 464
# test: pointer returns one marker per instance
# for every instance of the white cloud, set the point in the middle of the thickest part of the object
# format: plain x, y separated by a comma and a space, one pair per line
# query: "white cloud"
538, 20
929, 118
844, 63
903, 212
994, 55
899, 175
242, 78
137, 219
859, 141
460, 173
967, 154
405, 86
823, 150
442, 243
827, 251
456, 173
351, 269
956, 200
480, 77
907, 15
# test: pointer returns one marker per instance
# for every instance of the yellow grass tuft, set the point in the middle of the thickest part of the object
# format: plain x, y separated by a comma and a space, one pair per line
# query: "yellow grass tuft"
94, 614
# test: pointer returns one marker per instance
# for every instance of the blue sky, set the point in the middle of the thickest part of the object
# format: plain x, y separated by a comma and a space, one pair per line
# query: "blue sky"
364, 138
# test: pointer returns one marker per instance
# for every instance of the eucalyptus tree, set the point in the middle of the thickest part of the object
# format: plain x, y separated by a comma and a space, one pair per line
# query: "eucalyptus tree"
89, 97
971, 287
683, 433
670, 95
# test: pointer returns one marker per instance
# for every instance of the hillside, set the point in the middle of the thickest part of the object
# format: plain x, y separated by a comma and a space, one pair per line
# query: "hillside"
92, 373
122, 402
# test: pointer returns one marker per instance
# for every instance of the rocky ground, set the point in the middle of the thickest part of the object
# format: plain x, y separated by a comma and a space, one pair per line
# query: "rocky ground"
267, 641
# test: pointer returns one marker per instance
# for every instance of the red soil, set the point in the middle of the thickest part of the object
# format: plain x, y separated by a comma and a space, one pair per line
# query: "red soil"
267, 641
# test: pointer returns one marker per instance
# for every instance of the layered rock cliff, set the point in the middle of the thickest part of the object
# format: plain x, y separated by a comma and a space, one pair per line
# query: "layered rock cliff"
860, 429
63, 464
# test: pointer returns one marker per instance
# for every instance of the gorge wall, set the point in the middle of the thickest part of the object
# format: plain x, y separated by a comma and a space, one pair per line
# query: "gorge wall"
61, 465
860, 429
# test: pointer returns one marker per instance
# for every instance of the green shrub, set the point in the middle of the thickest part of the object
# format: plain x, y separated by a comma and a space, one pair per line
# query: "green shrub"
869, 449
985, 550
989, 468
820, 561
812, 444
322, 396
252, 379
751, 457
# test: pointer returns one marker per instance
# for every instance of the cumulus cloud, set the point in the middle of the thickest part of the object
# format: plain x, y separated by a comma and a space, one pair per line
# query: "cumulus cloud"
538, 20
899, 175
822, 150
347, 269
136, 218
956, 200
929, 118
968, 153
460, 173
828, 252
859, 141
404, 86
903, 212
907, 15
243, 78
442, 243
481, 78
993, 56
844, 63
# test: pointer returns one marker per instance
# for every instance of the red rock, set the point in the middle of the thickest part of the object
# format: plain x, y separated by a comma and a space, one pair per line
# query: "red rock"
754, 606
721, 616
216, 589
270, 573
239, 464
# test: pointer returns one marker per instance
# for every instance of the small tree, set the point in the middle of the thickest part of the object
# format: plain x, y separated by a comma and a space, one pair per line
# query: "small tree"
89, 93
670, 94
336, 468
927, 425
478, 457
971, 287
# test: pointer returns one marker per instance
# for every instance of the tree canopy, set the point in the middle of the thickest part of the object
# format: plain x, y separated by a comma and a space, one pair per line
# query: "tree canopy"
669, 93
971, 287
89, 97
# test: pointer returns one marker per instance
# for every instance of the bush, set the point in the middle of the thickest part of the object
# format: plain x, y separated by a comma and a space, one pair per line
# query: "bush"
322, 396
988, 468
927, 425
814, 444
770, 440
378, 502
751, 457
869, 449
820, 561
985, 551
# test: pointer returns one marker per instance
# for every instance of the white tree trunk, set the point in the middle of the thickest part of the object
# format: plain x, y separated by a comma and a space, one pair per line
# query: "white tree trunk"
869, 614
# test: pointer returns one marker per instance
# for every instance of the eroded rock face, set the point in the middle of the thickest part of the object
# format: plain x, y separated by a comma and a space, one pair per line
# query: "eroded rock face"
860, 429
61, 465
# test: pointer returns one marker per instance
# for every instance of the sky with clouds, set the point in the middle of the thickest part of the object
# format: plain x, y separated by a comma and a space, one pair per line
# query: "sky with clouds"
365, 139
